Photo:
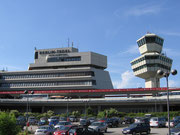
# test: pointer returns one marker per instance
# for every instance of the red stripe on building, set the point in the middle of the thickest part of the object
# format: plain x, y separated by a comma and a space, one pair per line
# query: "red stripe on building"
96, 90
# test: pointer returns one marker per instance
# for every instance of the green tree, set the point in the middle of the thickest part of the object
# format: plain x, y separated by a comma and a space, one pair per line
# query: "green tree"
76, 113
8, 124
15, 113
50, 113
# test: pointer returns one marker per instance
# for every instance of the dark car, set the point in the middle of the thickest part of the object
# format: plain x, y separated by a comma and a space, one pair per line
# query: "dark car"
109, 121
137, 128
114, 122
43, 121
82, 131
128, 120
53, 122
84, 123
175, 130
63, 119
91, 119
21, 121
32, 120
73, 119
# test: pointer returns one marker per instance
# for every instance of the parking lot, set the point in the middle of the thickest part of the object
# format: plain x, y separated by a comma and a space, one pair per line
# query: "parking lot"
118, 131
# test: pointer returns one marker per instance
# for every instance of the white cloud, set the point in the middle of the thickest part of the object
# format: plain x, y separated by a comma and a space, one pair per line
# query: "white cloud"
131, 50
126, 78
143, 10
139, 10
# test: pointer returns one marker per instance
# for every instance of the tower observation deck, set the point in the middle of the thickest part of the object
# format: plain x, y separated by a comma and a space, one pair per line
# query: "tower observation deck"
151, 60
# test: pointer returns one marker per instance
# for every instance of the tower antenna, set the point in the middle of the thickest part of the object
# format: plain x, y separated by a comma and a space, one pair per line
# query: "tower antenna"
68, 42
72, 44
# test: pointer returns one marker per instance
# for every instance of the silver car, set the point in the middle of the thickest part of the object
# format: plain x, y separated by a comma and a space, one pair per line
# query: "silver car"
44, 130
99, 126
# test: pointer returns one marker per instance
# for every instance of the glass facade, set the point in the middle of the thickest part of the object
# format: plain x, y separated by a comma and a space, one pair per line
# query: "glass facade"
152, 39
152, 57
63, 59
152, 65
50, 75
47, 84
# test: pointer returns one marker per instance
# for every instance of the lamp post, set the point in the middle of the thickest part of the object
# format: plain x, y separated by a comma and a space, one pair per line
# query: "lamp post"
166, 75
27, 108
67, 110
86, 102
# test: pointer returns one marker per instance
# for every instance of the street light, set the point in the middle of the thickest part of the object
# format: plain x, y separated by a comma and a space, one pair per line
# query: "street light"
166, 75
67, 98
86, 102
27, 107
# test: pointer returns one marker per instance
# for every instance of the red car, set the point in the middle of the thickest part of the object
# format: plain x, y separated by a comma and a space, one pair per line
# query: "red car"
63, 130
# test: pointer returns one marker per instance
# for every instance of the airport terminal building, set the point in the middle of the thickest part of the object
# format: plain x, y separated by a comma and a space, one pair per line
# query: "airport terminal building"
83, 79
60, 69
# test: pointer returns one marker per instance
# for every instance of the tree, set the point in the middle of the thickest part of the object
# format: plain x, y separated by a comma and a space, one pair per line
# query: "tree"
8, 124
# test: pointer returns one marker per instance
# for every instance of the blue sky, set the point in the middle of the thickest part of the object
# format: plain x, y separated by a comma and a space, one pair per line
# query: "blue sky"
109, 27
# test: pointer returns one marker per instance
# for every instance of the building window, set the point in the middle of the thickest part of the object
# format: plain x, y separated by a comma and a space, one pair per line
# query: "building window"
49, 84
63, 59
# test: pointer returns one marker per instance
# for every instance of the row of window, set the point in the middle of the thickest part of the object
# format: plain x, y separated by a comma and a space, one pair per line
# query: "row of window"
152, 57
90, 73
48, 84
152, 39
63, 59
152, 65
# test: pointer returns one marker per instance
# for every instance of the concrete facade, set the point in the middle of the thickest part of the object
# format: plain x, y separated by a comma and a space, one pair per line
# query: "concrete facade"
151, 60
60, 69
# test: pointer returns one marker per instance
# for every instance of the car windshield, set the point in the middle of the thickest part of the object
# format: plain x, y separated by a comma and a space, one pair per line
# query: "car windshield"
133, 125
61, 123
83, 121
177, 126
43, 120
154, 119
96, 124
64, 128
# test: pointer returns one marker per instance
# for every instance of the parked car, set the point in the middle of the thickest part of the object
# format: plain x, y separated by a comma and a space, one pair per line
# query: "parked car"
176, 118
137, 128
99, 126
173, 123
44, 130
83, 131
76, 131
21, 121
43, 121
85, 123
73, 119
63, 119
158, 122
141, 120
53, 118
62, 123
32, 120
53, 122
91, 119
175, 130
128, 120
114, 121
62, 130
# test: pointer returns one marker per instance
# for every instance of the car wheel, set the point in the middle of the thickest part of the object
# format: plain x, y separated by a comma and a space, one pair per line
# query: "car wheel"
134, 133
106, 130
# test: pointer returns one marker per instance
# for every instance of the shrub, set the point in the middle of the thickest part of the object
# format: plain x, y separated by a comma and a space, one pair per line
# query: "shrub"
8, 124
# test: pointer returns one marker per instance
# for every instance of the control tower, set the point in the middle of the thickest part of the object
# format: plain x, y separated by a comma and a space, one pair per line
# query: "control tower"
151, 60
